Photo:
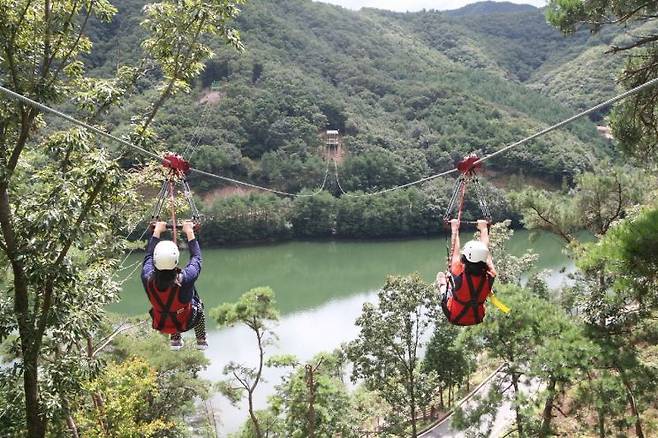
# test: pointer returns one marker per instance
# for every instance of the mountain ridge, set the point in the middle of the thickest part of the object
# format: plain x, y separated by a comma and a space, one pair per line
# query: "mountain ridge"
408, 91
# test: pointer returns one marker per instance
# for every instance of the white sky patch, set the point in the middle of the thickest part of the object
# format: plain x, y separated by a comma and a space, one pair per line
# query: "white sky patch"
417, 5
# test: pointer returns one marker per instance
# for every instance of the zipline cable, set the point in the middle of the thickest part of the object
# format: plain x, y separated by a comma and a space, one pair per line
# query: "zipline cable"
279, 192
518, 143
380, 192
100, 132
571, 119
267, 189
47, 109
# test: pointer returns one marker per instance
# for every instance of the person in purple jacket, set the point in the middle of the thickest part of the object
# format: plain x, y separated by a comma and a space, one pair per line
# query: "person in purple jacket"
176, 306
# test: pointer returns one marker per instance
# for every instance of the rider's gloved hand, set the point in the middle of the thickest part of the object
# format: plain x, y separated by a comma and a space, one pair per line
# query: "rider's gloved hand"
159, 228
188, 229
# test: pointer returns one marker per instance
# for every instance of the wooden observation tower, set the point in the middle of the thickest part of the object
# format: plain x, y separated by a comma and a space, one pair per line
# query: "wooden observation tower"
332, 139
333, 148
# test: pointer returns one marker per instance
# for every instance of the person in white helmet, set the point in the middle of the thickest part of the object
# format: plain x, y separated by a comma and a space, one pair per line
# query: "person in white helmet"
470, 279
176, 306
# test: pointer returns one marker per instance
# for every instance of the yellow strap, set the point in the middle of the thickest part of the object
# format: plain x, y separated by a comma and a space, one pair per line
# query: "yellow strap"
499, 304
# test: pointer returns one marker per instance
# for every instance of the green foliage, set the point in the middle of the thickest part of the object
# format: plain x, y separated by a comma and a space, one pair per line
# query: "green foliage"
386, 354
401, 213
627, 254
271, 426
450, 360
255, 217
379, 168
124, 388
314, 397
594, 204
314, 217
64, 197
255, 309
184, 23
303, 74
179, 386
510, 268
517, 338
634, 120
394, 214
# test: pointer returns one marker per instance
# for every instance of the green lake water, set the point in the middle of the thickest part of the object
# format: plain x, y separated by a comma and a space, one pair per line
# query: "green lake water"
320, 288
305, 275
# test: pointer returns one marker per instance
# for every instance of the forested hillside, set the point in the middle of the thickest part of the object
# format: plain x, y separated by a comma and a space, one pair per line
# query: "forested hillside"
410, 92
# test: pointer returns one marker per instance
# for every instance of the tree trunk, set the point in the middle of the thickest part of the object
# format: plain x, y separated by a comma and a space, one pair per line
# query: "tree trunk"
70, 422
412, 399
261, 357
601, 424
36, 426
441, 397
517, 408
311, 401
252, 415
547, 416
631, 402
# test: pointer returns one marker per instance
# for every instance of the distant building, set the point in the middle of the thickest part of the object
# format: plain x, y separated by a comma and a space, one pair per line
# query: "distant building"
332, 139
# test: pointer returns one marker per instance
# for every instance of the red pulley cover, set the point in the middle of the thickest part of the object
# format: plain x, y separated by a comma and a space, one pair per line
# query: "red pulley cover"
469, 164
176, 162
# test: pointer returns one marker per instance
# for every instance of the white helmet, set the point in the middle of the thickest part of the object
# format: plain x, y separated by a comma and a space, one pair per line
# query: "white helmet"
475, 251
165, 255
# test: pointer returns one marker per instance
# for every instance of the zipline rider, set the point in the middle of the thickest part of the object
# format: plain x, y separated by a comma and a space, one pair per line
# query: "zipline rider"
176, 306
470, 280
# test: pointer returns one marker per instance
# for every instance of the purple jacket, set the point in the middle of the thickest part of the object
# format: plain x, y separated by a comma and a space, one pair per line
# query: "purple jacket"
189, 274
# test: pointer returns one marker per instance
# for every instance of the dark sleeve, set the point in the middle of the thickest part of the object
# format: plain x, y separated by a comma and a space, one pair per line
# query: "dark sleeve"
193, 268
147, 265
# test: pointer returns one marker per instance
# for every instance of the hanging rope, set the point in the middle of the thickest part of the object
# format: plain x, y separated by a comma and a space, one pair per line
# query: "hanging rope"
172, 204
381, 192
203, 121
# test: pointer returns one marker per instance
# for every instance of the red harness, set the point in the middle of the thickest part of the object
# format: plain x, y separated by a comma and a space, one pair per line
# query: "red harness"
168, 313
466, 304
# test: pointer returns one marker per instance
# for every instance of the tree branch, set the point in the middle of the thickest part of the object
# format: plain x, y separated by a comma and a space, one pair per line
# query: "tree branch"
242, 382
13, 254
26, 125
73, 46
65, 27
639, 42
46, 39
49, 286
179, 67
111, 337
620, 203
557, 229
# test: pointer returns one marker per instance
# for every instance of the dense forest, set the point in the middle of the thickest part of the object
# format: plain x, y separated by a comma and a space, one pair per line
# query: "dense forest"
410, 93
246, 90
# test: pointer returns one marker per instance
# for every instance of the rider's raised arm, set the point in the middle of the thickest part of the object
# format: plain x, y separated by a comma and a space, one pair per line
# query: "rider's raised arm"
193, 268
455, 257
483, 227
147, 264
